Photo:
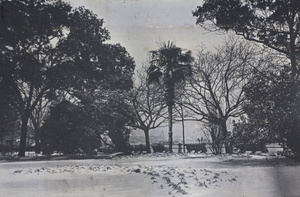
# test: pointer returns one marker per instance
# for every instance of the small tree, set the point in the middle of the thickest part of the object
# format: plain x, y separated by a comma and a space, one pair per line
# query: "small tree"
117, 116
62, 130
248, 136
272, 105
149, 106
109, 112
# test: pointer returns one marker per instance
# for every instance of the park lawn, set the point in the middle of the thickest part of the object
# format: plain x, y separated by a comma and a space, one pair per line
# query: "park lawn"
153, 175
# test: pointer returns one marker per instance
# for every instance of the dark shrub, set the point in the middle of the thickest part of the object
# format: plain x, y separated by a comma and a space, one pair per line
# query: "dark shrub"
158, 148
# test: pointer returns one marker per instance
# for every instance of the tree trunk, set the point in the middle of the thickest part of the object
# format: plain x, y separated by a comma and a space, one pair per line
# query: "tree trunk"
37, 143
170, 110
147, 138
36, 127
224, 136
182, 123
2, 141
37, 147
22, 146
295, 69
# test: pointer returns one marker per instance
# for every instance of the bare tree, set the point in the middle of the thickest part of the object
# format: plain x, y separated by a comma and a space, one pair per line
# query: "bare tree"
149, 106
215, 92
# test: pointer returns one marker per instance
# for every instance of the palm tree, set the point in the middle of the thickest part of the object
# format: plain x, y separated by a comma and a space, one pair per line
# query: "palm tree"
170, 65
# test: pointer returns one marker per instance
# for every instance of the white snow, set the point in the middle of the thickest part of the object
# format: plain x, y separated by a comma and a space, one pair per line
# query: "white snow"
151, 175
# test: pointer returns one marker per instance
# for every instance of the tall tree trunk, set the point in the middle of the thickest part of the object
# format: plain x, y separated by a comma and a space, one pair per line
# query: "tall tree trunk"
147, 138
182, 123
22, 147
36, 127
37, 142
183, 136
25, 115
170, 111
295, 69
2, 141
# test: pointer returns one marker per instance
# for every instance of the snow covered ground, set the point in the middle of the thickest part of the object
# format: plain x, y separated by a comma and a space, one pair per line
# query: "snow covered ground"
152, 175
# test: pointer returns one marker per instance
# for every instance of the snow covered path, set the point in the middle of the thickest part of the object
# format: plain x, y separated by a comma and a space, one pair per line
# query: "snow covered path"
149, 176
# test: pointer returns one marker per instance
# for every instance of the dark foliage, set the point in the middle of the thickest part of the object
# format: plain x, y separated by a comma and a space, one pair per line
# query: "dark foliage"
65, 132
272, 105
158, 148
8, 126
47, 47
273, 99
109, 112
196, 147
248, 137
272, 23
171, 65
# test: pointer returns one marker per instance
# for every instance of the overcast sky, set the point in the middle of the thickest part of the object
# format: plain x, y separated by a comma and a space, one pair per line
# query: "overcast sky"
138, 25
